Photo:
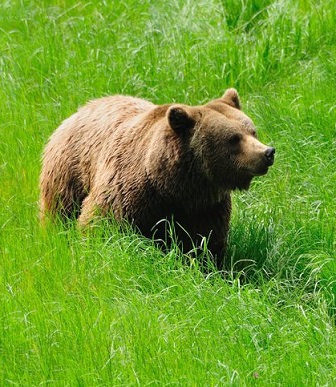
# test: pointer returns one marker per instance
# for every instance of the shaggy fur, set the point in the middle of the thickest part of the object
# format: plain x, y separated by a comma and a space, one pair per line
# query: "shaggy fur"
142, 162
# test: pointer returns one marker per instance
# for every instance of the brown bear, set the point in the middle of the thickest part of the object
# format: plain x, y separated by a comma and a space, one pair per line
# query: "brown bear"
128, 158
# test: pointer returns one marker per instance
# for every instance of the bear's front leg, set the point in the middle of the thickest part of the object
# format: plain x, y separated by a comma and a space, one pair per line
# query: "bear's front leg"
219, 223
212, 223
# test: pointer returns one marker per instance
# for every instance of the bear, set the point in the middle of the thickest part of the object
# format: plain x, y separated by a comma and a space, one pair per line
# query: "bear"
126, 158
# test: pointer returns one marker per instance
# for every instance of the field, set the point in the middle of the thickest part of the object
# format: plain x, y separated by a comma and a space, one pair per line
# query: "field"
109, 309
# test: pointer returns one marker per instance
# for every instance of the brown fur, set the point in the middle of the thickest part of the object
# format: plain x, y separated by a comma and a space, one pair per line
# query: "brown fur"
145, 163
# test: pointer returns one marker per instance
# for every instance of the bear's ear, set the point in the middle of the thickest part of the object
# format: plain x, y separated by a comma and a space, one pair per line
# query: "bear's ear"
180, 119
231, 97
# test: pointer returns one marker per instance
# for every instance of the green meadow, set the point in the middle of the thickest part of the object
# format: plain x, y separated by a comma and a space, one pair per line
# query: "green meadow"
109, 308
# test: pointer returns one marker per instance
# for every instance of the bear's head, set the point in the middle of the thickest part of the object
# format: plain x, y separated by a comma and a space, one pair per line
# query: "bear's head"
223, 141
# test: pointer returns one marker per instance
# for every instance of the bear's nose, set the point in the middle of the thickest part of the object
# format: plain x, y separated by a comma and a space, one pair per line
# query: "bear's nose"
269, 155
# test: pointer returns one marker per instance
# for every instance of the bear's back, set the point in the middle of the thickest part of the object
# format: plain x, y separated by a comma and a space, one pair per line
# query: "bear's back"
98, 119
79, 140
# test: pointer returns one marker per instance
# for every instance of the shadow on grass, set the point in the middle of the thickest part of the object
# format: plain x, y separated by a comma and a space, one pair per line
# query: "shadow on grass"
258, 254
249, 250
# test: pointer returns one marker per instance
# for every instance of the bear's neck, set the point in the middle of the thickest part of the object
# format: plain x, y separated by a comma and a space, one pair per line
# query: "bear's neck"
184, 186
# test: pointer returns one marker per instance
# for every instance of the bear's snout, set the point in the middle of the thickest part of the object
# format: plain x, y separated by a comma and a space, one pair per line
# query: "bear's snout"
269, 155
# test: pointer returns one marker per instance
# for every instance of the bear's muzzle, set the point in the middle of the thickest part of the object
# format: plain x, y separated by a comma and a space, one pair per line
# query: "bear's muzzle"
269, 155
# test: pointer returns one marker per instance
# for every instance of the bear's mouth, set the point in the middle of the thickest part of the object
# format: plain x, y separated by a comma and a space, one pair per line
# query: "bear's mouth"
258, 170
255, 172
261, 171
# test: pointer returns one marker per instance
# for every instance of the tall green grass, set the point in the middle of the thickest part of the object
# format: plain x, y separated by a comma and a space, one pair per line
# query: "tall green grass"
109, 308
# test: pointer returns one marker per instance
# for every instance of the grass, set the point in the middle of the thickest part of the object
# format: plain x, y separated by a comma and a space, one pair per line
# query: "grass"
110, 309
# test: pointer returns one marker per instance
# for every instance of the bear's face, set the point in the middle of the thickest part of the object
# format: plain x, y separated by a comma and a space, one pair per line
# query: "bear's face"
224, 141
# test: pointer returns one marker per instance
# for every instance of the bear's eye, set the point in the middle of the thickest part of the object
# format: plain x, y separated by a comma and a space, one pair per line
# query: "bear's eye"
235, 139
254, 133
